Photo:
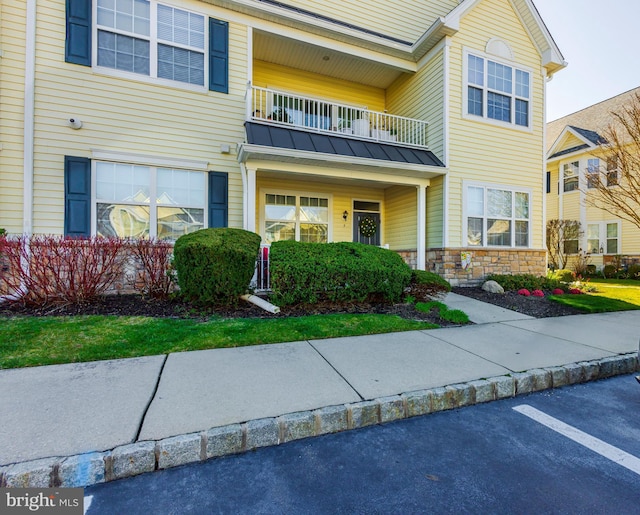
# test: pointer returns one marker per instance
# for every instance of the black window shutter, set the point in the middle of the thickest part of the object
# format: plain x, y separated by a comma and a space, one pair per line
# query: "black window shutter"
77, 196
78, 43
218, 199
548, 182
218, 56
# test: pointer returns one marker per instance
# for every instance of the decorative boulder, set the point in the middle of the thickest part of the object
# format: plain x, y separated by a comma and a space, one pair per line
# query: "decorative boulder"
492, 287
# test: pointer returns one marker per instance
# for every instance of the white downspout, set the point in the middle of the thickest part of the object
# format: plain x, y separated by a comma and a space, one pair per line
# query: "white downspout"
29, 117
28, 142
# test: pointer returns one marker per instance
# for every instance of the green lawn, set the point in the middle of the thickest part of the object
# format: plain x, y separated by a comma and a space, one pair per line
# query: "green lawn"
611, 295
32, 341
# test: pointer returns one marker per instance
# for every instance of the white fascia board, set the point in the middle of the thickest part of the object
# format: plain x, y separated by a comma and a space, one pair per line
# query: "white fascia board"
248, 152
303, 21
552, 58
147, 160
568, 130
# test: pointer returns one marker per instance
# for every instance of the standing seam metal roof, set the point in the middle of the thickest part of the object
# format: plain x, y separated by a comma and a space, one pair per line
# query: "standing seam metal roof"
295, 139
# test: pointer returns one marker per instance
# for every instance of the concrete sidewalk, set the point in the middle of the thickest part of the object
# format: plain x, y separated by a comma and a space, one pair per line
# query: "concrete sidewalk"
80, 424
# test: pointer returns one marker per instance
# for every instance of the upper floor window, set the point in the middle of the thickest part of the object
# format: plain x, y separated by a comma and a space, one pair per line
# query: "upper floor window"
593, 173
612, 171
498, 91
151, 38
570, 176
497, 216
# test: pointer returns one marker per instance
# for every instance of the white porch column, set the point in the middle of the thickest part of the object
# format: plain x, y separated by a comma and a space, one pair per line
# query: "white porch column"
421, 246
250, 201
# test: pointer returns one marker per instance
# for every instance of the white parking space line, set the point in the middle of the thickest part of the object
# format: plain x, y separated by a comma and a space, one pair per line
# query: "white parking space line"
603, 448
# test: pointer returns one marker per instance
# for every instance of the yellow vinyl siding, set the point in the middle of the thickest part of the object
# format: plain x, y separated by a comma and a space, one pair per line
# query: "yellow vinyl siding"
129, 115
12, 66
421, 96
401, 207
290, 80
435, 211
406, 20
629, 237
486, 152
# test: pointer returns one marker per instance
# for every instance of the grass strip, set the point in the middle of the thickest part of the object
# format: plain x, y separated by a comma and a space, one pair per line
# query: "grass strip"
35, 341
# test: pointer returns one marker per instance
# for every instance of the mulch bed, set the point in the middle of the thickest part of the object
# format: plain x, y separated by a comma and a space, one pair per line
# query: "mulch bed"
538, 307
134, 305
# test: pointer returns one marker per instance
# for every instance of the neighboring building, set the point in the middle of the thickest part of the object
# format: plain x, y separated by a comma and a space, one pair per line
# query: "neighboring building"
574, 152
293, 119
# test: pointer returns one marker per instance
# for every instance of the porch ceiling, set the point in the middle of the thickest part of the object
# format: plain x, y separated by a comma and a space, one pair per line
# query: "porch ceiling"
330, 62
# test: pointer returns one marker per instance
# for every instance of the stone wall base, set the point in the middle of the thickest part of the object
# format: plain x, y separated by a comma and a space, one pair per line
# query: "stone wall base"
447, 263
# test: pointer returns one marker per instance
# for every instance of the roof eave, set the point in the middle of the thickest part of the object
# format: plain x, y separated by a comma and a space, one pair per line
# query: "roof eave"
247, 152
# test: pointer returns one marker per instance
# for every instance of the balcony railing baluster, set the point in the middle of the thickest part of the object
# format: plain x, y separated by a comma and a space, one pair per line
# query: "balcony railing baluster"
296, 111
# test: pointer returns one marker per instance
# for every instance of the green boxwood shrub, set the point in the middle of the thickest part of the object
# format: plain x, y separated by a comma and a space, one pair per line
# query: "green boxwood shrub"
215, 266
307, 273
525, 281
563, 275
634, 272
609, 271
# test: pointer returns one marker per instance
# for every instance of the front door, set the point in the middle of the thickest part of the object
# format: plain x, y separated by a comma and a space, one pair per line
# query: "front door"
366, 227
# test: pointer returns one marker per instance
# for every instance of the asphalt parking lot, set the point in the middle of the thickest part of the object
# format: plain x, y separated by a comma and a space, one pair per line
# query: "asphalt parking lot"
570, 450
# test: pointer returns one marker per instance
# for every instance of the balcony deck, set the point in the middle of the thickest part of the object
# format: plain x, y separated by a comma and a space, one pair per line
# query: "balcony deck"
277, 108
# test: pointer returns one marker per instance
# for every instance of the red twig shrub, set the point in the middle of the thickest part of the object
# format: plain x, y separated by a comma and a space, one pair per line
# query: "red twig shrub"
155, 277
53, 269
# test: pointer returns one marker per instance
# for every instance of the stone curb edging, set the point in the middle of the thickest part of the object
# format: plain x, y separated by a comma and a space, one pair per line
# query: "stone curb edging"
140, 457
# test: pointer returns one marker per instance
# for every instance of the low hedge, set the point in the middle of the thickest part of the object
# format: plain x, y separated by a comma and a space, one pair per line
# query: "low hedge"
215, 266
307, 273
524, 281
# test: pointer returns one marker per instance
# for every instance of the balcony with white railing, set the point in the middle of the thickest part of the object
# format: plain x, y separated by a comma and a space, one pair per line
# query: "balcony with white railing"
311, 114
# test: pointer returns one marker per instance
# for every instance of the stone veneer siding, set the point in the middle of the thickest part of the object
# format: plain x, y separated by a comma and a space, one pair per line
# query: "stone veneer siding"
448, 263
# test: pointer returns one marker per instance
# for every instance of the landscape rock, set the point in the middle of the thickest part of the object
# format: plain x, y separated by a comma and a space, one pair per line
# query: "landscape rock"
492, 287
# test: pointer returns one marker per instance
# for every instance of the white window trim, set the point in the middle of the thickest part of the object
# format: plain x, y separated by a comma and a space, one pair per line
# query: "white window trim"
121, 74
602, 236
465, 91
465, 226
147, 160
580, 175
153, 221
297, 194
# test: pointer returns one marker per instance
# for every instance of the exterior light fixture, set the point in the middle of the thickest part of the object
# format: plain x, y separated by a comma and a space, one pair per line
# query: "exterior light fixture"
601, 250
345, 215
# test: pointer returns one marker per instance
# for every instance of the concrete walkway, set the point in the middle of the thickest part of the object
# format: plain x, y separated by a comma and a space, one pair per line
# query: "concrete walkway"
79, 424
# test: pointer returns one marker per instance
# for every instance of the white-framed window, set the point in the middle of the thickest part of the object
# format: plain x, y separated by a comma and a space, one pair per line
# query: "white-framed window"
151, 38
613, 172
300, 217
571, 176
496, 90
603, 237
593, 172
137, 201
496, 216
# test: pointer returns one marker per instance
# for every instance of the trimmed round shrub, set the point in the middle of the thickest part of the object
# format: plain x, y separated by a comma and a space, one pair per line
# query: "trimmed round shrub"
307, 273
215, 266
524, 292
537, 293
563, 275
609, 271
558, 291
